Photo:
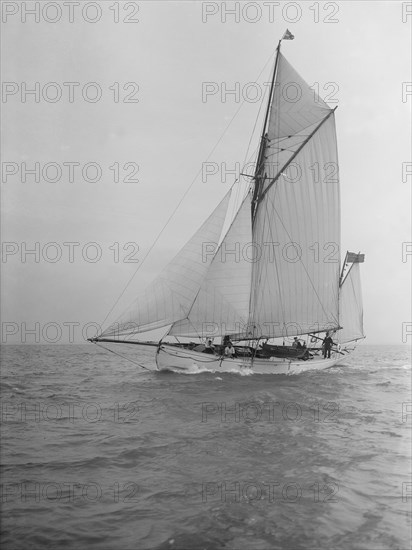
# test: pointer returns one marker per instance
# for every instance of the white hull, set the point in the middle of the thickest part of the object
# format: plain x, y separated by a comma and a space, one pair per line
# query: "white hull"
173, 358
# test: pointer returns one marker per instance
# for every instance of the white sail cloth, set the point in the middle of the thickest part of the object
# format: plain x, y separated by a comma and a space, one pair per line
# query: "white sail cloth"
277, 275
170, 296
295, 104
222, 305
297, 227
350, 307
295, 112
295, 281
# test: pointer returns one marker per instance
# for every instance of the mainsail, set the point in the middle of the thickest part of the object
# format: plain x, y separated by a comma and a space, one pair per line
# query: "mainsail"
297, 216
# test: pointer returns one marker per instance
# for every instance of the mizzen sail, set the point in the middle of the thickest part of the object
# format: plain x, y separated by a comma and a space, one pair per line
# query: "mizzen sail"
350, 307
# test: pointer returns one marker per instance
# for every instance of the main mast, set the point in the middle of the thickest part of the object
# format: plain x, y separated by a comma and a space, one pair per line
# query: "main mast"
258, 177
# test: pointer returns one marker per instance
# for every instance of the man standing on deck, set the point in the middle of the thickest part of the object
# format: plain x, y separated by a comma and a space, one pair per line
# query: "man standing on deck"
327, 345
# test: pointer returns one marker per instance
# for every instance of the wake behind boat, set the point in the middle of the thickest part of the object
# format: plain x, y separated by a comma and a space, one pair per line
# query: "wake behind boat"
269, 295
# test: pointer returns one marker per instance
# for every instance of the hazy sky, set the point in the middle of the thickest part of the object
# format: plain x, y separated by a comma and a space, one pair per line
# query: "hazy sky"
358, 53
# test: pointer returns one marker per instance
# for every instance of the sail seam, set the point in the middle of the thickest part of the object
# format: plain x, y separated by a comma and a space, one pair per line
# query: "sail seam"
294, 156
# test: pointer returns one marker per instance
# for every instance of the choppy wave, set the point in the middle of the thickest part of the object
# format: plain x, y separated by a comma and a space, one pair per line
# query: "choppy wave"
100, 454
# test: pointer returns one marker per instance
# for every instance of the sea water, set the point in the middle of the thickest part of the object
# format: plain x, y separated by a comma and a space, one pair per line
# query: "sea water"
98, 453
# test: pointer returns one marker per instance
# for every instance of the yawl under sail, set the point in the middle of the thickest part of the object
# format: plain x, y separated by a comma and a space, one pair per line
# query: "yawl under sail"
275, 273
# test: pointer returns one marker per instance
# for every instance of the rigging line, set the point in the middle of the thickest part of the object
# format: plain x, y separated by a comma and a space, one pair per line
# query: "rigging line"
235, 197
246, 162
123, 356
187, 318
275, 140
181, 200
257, 116
280, 294
256, 151
296, 153
262, 277
276, 188
279, 150
252, 155
193, 325
349, 270
271, 229
343, 269
274, 149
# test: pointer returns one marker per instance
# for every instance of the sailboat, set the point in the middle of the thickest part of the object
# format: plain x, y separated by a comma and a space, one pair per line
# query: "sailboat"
269, 295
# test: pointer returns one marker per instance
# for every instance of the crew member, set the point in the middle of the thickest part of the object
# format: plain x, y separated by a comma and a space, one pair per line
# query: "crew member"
209, 347
230, 350
327, 346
